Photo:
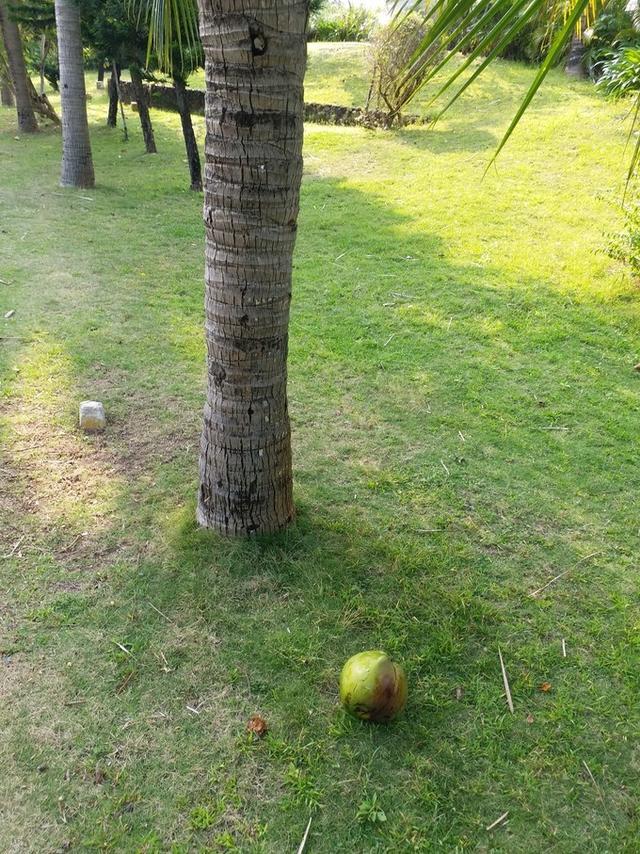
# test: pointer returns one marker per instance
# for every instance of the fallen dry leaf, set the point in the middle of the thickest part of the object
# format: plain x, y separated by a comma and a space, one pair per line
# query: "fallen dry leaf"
529, 719
257, 725
545, 687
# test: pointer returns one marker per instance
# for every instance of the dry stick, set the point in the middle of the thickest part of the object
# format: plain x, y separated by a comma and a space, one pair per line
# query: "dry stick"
162, 614
14, 549
564, 649
304, 838
598, 789
560, 575
506, 683
123, 648
498, 820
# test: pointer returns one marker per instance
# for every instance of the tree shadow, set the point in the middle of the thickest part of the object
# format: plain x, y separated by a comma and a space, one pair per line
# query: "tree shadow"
442, 415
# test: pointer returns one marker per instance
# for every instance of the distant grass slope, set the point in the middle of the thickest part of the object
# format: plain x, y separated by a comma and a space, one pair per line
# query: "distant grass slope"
465, 417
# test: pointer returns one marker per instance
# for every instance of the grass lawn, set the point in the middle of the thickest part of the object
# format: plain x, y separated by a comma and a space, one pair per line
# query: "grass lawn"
465, 417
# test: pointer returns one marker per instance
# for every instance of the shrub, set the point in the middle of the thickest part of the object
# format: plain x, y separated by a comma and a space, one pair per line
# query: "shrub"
611, 33
625, 246
391, 49
338, 23
620, 74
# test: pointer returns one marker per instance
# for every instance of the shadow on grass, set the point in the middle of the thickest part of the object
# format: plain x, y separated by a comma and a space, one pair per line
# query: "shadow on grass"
442, 416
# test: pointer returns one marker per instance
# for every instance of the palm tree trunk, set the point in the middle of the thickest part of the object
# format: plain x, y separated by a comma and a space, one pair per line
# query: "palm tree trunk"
255, 63
190, 142
143, 110
77, 162
13, 44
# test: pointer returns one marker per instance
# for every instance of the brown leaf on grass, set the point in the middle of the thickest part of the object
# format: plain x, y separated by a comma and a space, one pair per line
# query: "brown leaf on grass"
529, 719
545, 687
257, 725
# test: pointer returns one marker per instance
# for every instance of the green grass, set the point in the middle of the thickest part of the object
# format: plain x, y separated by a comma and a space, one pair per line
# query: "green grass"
465, 417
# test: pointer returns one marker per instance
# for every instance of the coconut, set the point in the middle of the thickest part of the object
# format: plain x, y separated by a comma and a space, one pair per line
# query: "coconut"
372, 687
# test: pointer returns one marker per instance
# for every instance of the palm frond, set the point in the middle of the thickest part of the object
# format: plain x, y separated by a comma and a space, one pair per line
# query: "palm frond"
484, 28
173, 25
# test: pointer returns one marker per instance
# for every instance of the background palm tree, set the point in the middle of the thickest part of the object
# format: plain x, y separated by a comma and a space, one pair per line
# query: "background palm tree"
77, 161
15, 59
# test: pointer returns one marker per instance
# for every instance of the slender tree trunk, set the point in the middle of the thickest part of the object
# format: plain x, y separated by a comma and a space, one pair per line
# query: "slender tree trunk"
255, 63
13, 44
100, 80
193, 155
143, 110
112, 115
77, 162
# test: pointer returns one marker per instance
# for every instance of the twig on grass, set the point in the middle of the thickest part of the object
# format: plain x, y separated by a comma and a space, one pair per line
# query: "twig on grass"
564, 649
562, 574
389, 339
498, 820
14, 549
304, 838
162, 614
505, 681
123, 648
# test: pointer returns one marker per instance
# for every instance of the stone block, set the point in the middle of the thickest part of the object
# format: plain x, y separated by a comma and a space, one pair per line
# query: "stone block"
92, 416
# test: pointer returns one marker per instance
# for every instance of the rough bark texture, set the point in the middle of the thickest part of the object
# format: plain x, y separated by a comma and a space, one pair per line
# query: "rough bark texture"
77, 162
143, 110
191, 145
13, 44
255, 60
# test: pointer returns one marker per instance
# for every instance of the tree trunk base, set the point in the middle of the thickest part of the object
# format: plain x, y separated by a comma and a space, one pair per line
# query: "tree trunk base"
222, 526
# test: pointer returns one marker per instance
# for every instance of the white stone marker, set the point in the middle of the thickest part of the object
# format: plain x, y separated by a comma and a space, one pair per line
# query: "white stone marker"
92, 416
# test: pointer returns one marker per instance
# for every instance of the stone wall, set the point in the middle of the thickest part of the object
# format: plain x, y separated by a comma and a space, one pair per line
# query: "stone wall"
164, 98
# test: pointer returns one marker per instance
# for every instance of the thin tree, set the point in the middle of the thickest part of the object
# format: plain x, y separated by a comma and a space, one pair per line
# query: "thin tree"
77, 161
188, 133
142, 101
15, 59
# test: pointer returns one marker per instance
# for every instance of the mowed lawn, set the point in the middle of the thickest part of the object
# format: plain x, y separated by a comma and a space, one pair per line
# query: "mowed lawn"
465, 418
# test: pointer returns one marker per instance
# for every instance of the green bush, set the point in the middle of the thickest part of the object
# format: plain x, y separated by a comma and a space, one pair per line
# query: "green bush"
625, 246
339, 23
620, 74
612, 32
